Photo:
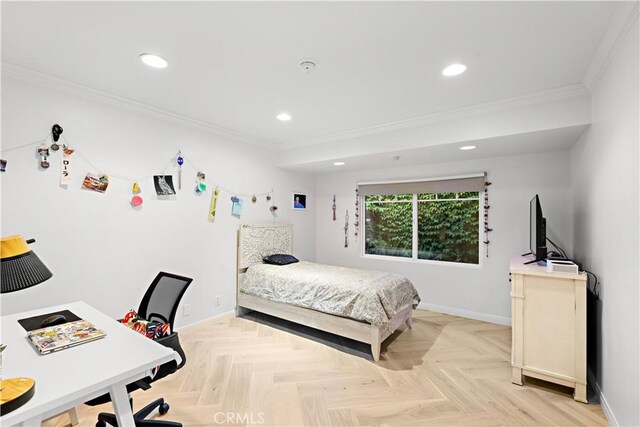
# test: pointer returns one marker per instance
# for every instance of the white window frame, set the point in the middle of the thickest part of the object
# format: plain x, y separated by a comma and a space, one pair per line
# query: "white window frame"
414, 252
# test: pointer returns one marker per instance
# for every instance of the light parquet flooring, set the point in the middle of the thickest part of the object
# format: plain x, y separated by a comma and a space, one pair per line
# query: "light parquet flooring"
446, 371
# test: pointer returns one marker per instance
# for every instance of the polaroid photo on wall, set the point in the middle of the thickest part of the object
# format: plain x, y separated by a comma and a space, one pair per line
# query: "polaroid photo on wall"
299, 201
164, 185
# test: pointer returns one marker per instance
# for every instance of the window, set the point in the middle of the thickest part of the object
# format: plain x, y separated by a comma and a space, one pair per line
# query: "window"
448, 227
438, 225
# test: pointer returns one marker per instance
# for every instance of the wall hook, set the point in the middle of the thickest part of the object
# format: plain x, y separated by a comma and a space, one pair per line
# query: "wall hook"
56, 130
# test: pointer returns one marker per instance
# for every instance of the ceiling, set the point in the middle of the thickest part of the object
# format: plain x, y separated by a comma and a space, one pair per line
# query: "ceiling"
559, 139
234, 65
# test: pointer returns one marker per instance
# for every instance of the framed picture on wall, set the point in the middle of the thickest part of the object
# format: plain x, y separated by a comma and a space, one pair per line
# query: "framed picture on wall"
299, 201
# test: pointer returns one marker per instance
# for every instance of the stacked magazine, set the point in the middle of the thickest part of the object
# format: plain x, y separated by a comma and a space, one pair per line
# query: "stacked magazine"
54, 338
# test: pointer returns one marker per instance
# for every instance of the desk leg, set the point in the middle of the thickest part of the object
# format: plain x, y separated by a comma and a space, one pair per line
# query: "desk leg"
73, 416
122, 409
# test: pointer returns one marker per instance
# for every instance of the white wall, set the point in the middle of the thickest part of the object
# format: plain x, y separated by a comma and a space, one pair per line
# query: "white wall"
98, 247
604, 180
480, 292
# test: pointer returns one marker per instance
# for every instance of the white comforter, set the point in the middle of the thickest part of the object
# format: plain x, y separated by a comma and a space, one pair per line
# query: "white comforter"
371, 296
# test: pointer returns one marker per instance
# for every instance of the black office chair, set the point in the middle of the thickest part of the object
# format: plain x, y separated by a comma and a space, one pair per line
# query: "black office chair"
160, 304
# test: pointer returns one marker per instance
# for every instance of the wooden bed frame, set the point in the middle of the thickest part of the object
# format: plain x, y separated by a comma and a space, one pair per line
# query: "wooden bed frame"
256, 241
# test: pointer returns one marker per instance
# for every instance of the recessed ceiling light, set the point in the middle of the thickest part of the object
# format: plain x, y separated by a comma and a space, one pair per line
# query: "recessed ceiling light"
468, 147
284, 117
153, 61
454, 70
338, 163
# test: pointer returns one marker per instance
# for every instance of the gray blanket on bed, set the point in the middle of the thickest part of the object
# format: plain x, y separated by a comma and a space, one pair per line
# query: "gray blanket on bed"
371, 296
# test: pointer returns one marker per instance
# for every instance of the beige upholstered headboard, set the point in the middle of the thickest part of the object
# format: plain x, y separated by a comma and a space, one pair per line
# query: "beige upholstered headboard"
258, 240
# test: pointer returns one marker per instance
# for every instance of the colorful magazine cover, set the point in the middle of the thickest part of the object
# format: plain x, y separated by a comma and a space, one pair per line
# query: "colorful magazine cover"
64, 336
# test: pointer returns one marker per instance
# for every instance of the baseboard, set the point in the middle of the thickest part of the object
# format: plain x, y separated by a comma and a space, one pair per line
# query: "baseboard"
465, 313
221, 316
593, 382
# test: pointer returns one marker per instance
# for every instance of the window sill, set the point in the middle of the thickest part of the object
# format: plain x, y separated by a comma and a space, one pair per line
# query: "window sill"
423, 261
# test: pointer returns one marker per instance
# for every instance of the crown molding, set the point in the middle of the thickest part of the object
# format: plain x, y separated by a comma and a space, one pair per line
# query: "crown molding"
46, 80
49, 81
537, 98
621, 23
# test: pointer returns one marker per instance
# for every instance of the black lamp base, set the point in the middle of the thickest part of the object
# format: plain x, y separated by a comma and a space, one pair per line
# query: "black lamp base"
15, 392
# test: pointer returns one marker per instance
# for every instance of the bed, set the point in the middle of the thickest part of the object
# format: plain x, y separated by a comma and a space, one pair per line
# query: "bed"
366, 306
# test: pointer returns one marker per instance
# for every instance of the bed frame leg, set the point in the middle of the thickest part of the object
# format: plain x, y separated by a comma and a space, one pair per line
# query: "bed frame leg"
240, 311
375, 344
409, 321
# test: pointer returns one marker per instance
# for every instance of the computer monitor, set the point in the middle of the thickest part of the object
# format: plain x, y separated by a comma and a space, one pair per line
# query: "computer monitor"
537, 230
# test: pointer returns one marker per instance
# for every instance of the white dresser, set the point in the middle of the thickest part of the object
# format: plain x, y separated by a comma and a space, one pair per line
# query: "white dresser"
549, 319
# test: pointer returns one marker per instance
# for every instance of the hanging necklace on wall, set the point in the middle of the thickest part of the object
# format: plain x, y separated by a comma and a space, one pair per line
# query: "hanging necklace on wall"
346, 230
180, 162
356, 224
487, 229
333, 207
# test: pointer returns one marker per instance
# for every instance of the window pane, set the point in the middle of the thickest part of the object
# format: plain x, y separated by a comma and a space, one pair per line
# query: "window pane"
448, 231
388, 198
427, 196
469, 195
446, 196
388, 229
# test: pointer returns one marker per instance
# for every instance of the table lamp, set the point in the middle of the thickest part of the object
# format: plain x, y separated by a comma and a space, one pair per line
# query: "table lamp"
20, 268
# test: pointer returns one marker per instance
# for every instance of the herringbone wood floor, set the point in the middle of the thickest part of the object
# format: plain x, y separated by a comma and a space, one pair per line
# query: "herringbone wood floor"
445, 371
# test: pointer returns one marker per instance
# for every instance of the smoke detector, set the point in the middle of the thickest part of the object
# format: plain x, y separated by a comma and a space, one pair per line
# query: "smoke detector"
307, 66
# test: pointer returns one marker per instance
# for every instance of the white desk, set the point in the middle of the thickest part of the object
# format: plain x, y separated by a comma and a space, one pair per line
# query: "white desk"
69, 377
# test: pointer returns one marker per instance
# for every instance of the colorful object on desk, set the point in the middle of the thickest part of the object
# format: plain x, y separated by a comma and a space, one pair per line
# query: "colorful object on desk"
213, 204
150, 329
15, 392
180, 161
65, 168
63, 336
21, 267
43, 152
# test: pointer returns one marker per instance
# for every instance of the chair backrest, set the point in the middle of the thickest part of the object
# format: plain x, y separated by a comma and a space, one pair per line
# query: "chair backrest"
160, 302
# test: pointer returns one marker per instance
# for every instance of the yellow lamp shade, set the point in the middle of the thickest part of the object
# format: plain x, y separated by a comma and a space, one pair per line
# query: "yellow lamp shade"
20, 266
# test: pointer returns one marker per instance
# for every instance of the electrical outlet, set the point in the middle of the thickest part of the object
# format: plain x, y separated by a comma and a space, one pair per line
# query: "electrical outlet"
186, 310
217, 300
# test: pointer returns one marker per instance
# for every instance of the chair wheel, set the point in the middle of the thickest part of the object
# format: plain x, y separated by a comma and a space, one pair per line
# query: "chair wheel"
164, 408
101, 423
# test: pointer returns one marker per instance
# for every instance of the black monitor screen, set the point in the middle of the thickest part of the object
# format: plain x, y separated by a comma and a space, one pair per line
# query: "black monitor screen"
537, 230
533, 236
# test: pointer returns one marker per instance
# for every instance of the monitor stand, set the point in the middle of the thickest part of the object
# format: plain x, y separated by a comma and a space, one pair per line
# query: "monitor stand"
535, 260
